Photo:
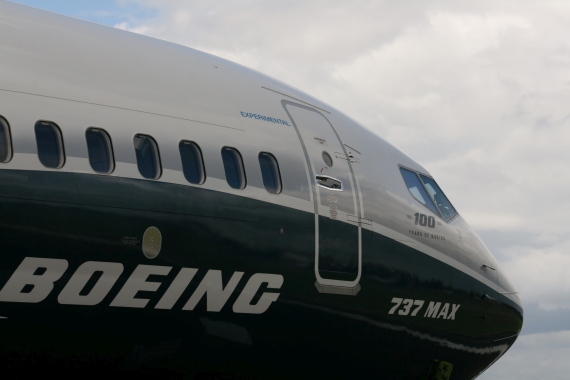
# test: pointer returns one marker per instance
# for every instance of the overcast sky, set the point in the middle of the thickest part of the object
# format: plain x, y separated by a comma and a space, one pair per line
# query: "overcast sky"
478, 92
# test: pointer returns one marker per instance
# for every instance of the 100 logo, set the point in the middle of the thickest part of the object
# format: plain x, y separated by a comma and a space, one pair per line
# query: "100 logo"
424, 220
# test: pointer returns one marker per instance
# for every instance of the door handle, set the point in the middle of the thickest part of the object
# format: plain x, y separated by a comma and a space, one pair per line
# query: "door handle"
487, 297
328, 182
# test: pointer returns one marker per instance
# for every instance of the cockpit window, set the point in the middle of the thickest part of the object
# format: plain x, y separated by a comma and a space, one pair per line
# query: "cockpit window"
447, 210
417, 189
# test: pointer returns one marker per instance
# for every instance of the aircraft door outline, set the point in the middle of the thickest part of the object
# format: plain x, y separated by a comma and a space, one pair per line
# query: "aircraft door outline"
336, 200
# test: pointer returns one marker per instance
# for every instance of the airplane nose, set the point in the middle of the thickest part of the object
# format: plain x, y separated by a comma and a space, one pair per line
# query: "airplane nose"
510, 310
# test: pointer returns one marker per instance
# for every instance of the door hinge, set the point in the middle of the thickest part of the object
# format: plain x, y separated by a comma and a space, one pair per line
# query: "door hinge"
359, 220
350, 157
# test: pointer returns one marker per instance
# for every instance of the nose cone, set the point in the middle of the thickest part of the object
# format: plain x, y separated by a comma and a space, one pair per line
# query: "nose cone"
510, 309
507, 308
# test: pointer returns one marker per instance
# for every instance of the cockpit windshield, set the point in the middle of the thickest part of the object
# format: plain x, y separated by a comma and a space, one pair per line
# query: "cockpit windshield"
447, 210
417, 189
428, 193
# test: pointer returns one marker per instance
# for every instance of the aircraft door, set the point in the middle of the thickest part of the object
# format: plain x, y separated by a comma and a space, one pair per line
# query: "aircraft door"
336, 201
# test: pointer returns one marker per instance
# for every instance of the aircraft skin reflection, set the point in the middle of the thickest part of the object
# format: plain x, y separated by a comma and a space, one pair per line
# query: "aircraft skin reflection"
168, 213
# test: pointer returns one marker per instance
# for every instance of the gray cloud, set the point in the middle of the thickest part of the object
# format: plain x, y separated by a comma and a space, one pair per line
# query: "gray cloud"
538, 320
534, 356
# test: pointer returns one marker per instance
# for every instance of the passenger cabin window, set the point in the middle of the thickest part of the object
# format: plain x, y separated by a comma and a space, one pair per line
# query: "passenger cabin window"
100, 150
417, 189
5, 141
443, 204
270, 173
148, 159
192, 162
233, 165
50, 145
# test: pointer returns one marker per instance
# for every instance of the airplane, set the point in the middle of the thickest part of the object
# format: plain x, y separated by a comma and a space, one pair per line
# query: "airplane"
168, 213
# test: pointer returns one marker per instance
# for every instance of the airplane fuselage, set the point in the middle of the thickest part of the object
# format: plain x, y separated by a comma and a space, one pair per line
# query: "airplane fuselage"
235, 226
